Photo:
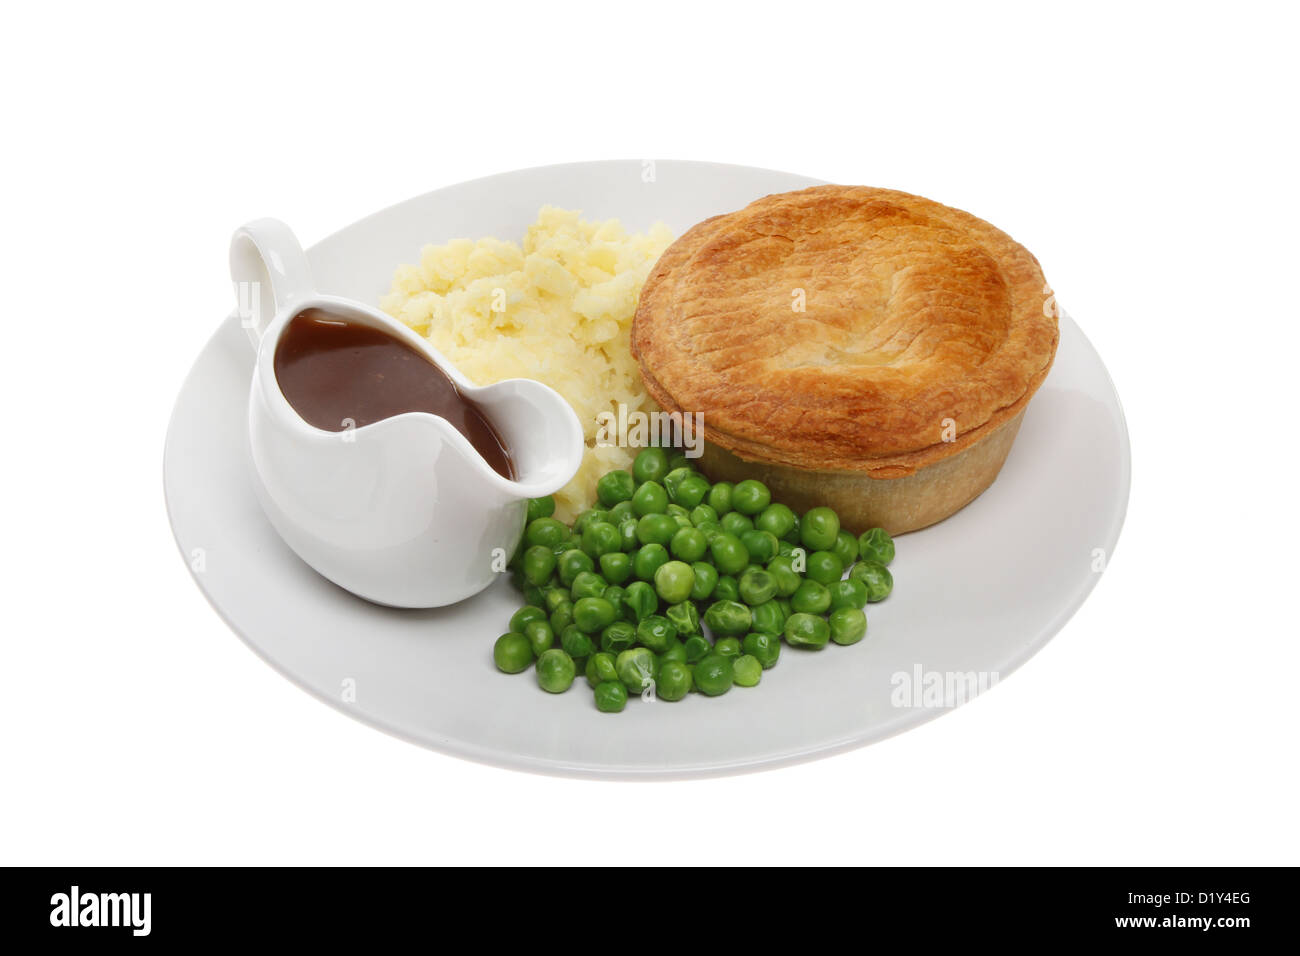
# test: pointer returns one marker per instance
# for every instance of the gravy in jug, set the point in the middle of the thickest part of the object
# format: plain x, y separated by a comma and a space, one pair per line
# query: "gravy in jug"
332, 369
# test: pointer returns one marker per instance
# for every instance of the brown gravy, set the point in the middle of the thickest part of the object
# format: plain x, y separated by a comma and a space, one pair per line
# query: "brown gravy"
331, 368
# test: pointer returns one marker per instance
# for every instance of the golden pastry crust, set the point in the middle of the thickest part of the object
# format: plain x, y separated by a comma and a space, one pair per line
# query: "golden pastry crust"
920, 323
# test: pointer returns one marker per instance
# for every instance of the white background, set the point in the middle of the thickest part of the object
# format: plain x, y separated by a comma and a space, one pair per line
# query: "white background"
1145, 154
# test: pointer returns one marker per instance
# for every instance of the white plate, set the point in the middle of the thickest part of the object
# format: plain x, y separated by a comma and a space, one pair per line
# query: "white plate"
975, 595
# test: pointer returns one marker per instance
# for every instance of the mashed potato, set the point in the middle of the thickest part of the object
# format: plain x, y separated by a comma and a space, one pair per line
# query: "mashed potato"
557, 310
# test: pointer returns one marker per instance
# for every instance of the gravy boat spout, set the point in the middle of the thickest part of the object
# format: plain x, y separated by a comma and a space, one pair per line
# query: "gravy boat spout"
403, 511
540, 429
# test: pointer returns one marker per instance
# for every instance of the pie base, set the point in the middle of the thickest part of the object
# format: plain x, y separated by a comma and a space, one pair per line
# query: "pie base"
908, 503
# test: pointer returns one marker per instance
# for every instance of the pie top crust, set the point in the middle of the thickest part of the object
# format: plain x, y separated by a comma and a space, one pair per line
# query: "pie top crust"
845, 328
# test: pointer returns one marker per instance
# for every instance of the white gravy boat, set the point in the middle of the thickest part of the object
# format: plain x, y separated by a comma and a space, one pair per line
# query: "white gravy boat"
403, 511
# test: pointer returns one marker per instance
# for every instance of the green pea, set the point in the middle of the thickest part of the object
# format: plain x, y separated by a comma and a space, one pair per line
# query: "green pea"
719, 497
763, 647
706, 579
572, 563
615, 487
784, 604
783, 573
542, 507
674, 681
547, 532
784, 548
592, 614
750, 497
675, 651
685, 617
601, 537
673, 480
577, 645
761, 545
512, 653
553, 597
636, 668
767, 617
824, 567
655, 632
729, 554
588, 584
650, 499
650, 464
679, 460
688, 544
615, 567
776, 519
711, 530
876, 545
555, 671
877, 578
701, 513
618, 637
588, 517
621, 512
728, 618
640, 597
520, 619
627, 532
713, 675
811, 598
691, 491
851, 592
628, 612
538, 564
846, 548
562, 616
848, 625
648, 559
746, 670
611, 697
727, 588
656, 529
756, 587
677, 511
794, 534
615, 595
697, 648
673, 581
727, 647
819, 529
600, 668
807, 630
733, 522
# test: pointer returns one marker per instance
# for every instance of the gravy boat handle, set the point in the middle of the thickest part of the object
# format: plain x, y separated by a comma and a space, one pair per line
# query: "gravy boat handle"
270, 273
